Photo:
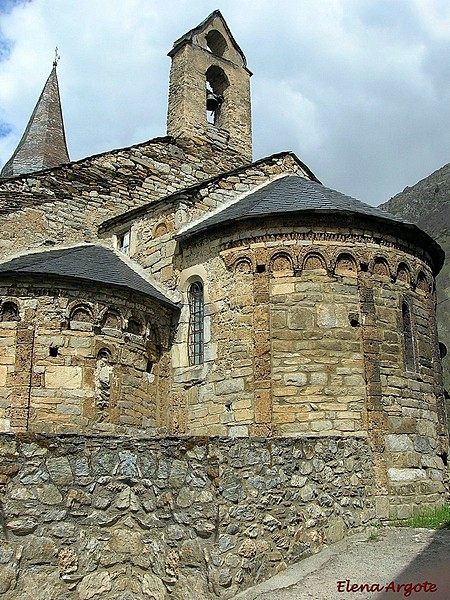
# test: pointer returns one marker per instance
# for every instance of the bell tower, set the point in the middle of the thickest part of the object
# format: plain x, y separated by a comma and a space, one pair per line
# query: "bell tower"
209, 90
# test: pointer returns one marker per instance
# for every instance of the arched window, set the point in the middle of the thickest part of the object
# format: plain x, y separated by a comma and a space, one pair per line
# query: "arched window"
196, 323
81, 318
111, 320
408, 341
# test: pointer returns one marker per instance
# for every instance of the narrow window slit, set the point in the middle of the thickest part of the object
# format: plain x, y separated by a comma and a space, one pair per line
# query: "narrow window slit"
196, 324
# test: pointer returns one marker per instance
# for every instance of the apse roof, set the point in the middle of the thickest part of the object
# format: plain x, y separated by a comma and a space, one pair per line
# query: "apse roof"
289, 194
90, 263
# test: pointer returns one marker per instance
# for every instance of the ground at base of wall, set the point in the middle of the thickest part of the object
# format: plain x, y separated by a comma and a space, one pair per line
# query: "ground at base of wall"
389, 558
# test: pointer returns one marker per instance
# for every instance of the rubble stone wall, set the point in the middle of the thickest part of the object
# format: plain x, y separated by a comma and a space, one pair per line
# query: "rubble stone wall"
66, 204
185, 519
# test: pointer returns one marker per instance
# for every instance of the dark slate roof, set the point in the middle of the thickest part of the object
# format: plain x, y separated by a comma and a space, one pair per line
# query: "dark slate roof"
43, 144
290, 194
89, 263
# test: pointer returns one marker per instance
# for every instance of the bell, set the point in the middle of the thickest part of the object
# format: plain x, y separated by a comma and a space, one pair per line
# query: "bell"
212, 101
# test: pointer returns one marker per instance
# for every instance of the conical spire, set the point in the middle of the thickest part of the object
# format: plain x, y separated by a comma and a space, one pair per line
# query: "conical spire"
43, 144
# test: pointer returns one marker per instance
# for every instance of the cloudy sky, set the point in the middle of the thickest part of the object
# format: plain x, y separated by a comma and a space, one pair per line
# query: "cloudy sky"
358, 89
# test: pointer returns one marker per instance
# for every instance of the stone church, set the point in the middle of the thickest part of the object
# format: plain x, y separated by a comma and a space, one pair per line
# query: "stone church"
176, 289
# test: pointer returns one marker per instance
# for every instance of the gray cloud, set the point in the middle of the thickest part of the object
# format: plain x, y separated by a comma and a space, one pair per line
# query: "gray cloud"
359, 89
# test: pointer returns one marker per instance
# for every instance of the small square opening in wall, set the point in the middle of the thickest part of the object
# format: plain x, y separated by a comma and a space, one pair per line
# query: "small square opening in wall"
260, 268
53, 351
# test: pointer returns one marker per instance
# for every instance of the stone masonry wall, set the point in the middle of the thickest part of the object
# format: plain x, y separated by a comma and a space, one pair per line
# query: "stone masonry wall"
415, 440
184, 519
314, 339
186, 116
66, 204
82, 360
305, 335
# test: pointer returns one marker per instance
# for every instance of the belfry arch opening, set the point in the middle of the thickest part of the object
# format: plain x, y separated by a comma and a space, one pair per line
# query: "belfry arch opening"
216, 84
215, 42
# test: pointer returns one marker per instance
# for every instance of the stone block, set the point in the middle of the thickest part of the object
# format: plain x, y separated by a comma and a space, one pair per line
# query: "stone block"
49, 494
236, 431
244, 415
68, 409
344, 425
284, 391
400, 475
278, 319
178, 473
318, 378
263, 406
402, 424
3, 375
261, 316
229, 386
283, 415
297, 379
336, 530
404, 511
60, 470
94, 584
300, 318
242, 403
397, 382
263, 430
332, 315
424, 444
5, 425
354, 381
8, 577
152, 587
398, 442
382, 507
321, 425
59, 377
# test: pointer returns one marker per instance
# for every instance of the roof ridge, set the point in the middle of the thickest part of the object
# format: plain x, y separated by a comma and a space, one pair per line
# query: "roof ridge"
185, 38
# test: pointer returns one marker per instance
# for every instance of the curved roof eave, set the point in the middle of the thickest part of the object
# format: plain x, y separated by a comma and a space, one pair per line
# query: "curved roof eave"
90, 264
412, 232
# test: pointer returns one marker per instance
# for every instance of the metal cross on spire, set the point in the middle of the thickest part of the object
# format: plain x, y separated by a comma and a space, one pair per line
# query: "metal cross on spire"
57, 57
